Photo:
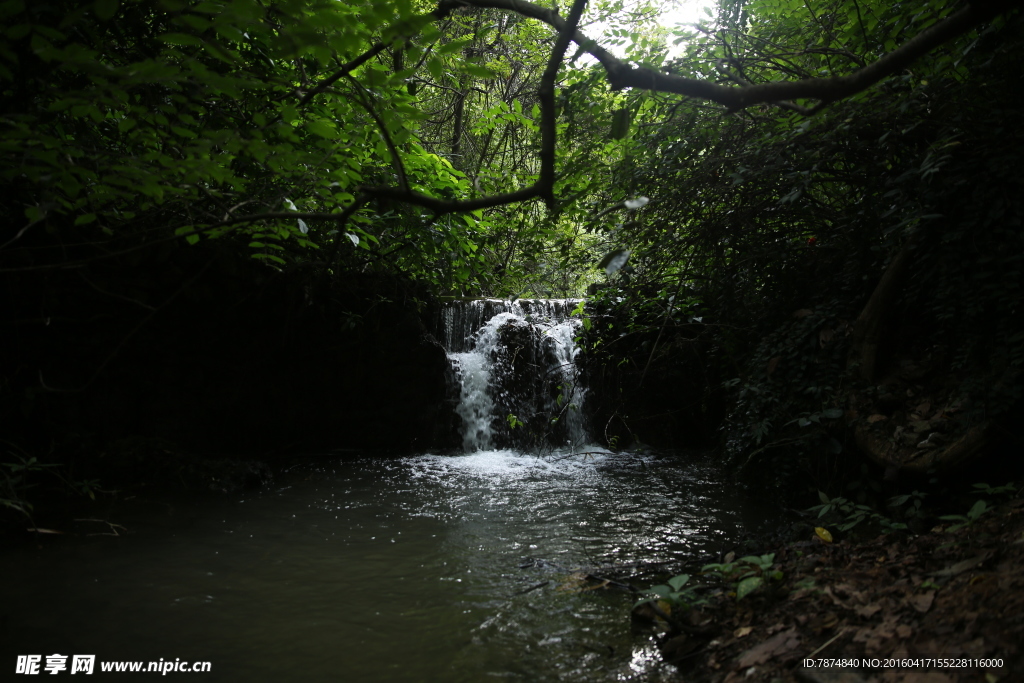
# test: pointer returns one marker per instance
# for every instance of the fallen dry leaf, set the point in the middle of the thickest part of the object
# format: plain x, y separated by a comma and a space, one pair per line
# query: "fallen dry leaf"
922, 602
779, 644
867, 610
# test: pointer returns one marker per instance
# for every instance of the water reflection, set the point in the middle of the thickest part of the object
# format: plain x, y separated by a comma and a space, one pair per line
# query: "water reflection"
380, 570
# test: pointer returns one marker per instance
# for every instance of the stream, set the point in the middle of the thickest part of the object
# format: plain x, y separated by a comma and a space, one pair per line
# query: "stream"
432, 567
368, 569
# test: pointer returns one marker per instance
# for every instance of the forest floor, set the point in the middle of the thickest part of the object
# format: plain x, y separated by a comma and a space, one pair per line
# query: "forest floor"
898, 601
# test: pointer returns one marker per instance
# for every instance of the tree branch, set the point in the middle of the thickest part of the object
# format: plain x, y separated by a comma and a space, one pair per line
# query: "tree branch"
548, 110
622, 75
545, 185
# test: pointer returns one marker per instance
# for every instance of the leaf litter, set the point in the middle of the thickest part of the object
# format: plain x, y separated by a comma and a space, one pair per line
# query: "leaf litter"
943, 594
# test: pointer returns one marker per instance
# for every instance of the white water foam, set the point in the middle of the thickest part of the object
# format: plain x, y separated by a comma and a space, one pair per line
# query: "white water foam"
509, 466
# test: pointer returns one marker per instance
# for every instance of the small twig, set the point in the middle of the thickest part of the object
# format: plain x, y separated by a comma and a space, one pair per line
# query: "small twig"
829, 642
22, 231
113, 527
112, 294
532, 588
613, 582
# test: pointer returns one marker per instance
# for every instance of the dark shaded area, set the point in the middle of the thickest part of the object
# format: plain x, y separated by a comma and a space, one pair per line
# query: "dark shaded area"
648, 387
199, 349
805, 296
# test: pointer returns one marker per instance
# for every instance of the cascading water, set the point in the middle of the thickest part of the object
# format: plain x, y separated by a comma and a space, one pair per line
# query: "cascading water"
515, 371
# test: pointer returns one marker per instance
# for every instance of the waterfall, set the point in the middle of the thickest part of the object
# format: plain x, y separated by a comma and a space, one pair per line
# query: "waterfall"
514, 369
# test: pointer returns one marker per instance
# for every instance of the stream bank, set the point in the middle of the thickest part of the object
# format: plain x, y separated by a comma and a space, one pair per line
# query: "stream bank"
953, 593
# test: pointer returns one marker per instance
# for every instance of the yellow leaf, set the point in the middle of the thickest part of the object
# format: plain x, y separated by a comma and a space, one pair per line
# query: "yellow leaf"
823, 534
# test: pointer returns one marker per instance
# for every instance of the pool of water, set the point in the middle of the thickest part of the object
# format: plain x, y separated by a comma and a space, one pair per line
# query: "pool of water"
372, 569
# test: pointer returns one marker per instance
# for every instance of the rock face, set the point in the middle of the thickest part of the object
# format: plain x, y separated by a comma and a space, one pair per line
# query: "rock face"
244, 359
527, 384
514, 372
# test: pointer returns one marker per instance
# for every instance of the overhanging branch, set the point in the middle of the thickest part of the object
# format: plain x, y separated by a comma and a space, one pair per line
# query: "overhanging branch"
622, 75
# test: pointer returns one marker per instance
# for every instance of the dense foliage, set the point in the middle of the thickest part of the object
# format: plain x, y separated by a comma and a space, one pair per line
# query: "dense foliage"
772, 231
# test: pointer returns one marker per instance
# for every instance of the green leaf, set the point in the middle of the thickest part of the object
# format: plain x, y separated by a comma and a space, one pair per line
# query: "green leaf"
180, 39
747, 586
85, 219
106, 9
436, 68
614, 260
478, 71
323, 128
620, 124
453, 46
677, 582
